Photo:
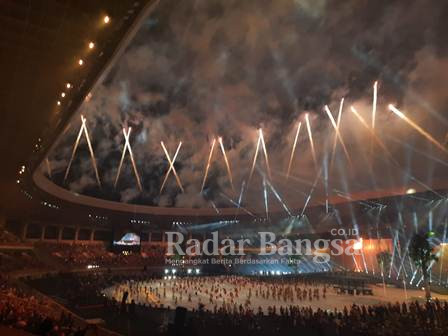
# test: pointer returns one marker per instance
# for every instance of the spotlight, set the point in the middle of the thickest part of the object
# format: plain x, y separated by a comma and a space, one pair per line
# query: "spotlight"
63, 94
59, 103
18, 181
167, 271
91, 45
411, 191
189, 271
80, 62
173, 271
358, 245
68, 85
106, 19
197, 271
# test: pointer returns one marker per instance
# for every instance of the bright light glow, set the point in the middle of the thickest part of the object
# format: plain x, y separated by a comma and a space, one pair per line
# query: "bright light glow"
411, 191
338, 134
293, 149
310, 135
197, 270
68, 85
91, 45
127, 147
338, 123
229, 172
265, 194
18, 181
208, 164
173, 271
59, 103
263, 145
80, 62
83, 129
358, 244
189, 271
171, 168
106, 19
417, 128
375, 95
372, 133
167, 271
255, 159
265, 152
62, 94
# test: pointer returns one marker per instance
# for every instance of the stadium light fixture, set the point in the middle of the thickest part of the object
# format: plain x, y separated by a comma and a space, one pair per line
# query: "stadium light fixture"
106, 19
411, 191
91, 45
80, 61
358, 245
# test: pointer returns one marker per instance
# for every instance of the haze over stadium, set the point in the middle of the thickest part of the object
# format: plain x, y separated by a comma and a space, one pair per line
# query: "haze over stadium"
312, 133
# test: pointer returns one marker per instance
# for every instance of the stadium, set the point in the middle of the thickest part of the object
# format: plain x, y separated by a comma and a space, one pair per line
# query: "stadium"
248, 167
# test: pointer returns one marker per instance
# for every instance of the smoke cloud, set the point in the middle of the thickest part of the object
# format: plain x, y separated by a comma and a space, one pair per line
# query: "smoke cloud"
197, 70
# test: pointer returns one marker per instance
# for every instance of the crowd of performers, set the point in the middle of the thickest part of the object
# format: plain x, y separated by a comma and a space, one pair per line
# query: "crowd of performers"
288, 306
228, 304
225, 293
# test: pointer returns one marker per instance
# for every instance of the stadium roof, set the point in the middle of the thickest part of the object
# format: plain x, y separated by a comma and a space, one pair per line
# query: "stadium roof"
175, 73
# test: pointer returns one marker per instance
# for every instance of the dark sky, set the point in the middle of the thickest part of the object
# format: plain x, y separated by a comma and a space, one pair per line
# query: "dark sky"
202, 69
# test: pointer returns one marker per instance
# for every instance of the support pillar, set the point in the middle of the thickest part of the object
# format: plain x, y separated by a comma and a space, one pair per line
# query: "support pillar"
60, 233
76, 234
42, 232
92, 235
24, 231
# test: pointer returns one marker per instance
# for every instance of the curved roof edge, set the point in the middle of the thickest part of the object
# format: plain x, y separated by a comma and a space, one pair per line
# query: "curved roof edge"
46, 185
